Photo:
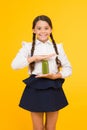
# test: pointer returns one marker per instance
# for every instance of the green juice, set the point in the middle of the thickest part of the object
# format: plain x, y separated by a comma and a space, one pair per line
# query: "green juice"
45, 67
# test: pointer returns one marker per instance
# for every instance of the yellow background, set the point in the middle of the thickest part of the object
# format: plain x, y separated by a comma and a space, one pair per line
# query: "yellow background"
70, 27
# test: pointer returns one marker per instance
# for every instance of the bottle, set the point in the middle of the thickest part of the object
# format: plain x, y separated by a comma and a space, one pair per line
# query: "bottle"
45, 67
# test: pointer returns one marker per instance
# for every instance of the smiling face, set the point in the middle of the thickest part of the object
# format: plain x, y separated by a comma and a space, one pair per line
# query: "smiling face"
42, 30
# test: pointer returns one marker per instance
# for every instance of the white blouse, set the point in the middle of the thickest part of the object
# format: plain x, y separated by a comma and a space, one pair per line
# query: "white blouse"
20, 61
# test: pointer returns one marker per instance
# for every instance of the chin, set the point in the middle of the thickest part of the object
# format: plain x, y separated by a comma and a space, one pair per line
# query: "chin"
43, 40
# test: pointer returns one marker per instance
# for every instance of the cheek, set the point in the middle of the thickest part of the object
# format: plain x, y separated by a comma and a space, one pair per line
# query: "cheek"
36, 32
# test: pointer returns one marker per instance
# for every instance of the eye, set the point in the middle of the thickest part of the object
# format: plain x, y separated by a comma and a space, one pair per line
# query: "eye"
39, 28
46, 28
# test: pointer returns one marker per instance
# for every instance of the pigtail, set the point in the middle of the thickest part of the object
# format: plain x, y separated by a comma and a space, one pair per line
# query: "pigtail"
31, 65
58, 62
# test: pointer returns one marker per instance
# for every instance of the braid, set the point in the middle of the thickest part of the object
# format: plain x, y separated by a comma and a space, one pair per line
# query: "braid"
58, 62
32, 52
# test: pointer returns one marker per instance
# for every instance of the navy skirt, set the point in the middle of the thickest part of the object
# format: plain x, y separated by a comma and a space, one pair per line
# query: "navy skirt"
43, 95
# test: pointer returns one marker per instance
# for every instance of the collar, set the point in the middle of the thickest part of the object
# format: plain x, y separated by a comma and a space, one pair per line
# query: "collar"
47, 42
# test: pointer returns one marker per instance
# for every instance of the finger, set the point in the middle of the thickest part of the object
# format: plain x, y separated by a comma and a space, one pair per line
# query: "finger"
53, 54
38, 76
41, 75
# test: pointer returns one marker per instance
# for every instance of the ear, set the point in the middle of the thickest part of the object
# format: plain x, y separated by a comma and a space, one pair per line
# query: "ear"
33, 30
50, 31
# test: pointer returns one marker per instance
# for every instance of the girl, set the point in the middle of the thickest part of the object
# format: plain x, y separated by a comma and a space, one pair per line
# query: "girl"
43, 92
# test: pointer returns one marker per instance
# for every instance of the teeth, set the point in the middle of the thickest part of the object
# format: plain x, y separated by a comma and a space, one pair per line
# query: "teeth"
42, 35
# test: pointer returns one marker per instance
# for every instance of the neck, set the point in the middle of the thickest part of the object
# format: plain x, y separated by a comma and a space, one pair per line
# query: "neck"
43, 41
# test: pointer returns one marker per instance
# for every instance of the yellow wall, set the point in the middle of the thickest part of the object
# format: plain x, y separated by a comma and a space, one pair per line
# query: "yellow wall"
70, 27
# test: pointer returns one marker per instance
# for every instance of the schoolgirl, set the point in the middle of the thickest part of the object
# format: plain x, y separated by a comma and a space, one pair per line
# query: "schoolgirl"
48, 68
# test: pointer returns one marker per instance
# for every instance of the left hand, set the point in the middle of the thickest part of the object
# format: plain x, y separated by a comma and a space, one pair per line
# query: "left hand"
49, 76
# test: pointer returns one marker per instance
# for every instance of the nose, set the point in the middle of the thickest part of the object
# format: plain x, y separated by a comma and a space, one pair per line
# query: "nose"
43, 30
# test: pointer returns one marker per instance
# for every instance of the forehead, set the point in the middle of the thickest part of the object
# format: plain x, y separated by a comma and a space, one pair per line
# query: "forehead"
42, 23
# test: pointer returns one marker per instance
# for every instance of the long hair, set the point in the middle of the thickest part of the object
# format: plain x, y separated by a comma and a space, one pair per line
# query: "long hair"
47, 19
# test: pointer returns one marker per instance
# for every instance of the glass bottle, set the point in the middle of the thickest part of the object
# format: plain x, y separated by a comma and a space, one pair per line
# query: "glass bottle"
45, 67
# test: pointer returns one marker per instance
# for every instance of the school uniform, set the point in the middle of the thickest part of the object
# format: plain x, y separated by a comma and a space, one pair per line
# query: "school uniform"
42, 94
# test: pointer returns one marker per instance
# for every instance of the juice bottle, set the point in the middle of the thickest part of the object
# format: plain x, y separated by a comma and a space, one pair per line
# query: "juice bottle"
45, 67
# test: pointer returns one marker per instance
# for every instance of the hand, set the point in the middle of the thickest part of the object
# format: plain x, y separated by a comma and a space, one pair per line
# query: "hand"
49, 76
44, 57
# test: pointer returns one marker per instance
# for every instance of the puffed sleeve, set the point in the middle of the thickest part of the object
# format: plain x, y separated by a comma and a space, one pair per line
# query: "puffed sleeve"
20, 60
66, 66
